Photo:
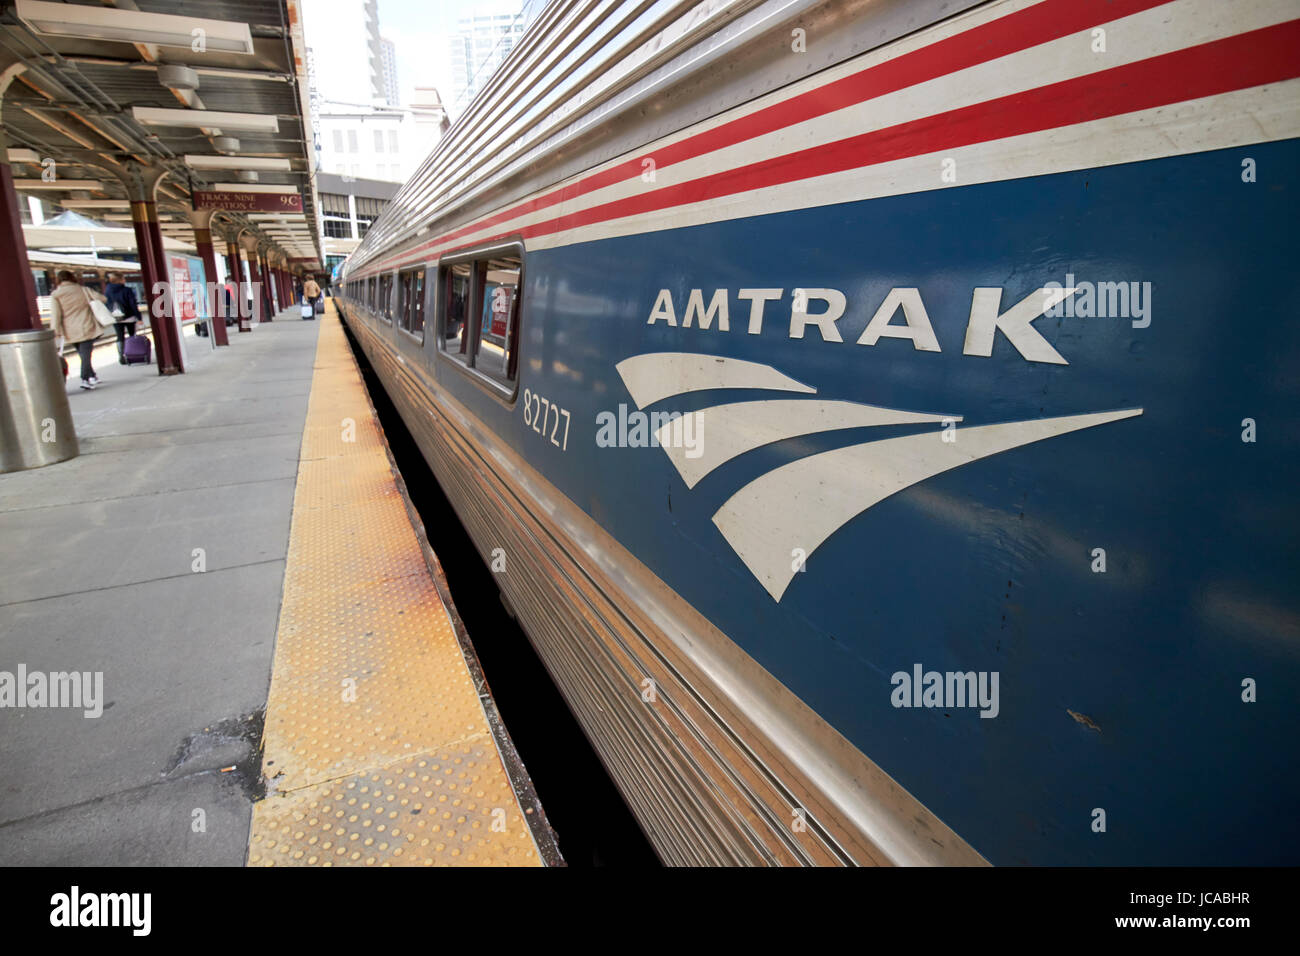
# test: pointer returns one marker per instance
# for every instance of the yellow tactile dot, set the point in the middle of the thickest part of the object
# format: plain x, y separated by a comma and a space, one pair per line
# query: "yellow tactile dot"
372, 712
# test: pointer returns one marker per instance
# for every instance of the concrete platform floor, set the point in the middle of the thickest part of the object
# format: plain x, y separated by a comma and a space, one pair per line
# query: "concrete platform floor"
98, 559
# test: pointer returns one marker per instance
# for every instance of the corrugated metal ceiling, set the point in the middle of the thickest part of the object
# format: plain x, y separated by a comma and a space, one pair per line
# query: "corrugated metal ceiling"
72, 102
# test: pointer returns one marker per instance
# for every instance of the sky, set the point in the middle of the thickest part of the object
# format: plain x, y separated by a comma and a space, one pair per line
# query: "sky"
420, 31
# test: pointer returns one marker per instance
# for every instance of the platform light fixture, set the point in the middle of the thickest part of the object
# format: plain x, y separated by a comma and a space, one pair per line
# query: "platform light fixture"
19, 155
237, 162
59, 184
206, 119
134, 26
254, 188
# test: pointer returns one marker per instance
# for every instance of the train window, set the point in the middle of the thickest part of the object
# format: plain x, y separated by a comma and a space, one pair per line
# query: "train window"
403, 311
386, 297
370, 293
410, 307
479, 312
417, 304
454, 339
498, 285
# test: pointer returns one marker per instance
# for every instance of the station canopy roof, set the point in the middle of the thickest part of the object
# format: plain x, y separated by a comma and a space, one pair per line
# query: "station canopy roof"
217, 95
55, 235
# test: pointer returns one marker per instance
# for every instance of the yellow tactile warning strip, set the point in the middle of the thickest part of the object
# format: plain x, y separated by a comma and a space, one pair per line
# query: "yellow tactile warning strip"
377, 748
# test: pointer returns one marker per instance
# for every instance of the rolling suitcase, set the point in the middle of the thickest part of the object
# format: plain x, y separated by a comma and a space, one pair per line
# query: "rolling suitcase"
308, 311
138, 350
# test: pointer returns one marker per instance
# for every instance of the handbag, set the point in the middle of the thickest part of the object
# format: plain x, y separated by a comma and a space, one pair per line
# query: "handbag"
99, 310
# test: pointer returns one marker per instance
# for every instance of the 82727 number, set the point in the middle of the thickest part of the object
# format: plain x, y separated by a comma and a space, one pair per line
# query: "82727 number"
541, 414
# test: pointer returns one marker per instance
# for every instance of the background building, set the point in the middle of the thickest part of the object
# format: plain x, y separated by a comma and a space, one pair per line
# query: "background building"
379, 142
388, 69
348, 207
483, 39
362, 131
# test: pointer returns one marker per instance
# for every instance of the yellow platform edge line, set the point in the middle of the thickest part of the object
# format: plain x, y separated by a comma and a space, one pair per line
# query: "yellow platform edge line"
377, 749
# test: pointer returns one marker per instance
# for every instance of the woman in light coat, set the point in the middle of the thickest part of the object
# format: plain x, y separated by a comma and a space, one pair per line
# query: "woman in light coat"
74, 323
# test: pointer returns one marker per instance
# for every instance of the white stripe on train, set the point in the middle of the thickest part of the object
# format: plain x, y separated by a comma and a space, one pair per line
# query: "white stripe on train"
1243, 117
1160, 30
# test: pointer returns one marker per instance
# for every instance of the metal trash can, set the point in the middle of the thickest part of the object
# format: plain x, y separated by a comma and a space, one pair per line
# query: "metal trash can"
35, 420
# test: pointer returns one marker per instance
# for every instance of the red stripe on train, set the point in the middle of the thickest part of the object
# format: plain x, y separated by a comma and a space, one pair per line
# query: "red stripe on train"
1018, 31
1012, 33
1249, 59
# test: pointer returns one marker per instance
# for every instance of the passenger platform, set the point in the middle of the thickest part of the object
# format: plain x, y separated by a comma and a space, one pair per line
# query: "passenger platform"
284, 680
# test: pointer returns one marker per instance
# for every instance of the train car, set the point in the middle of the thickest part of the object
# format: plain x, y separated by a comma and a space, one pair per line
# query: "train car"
879, 415
93, 270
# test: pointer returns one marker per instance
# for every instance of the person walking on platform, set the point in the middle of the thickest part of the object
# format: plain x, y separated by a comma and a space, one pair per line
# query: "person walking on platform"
122, 303
311, 293
75, 323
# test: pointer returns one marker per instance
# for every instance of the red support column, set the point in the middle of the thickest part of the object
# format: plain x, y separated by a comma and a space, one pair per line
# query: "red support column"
203, 240
235, 274
253, 270
18, 312
268, 303
157, 285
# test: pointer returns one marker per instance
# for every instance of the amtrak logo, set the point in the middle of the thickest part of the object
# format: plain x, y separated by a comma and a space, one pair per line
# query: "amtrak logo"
804, 502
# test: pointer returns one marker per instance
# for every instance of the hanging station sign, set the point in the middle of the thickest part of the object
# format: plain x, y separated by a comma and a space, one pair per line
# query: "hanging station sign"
247, 201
